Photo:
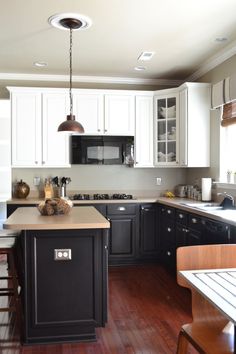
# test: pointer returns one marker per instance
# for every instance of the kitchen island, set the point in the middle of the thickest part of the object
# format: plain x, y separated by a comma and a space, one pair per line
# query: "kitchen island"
63, 274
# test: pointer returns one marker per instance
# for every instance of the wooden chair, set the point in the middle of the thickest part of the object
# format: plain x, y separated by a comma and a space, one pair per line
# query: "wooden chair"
9, 282
205, 333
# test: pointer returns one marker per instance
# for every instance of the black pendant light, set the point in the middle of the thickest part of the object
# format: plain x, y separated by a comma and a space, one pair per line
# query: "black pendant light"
70, 22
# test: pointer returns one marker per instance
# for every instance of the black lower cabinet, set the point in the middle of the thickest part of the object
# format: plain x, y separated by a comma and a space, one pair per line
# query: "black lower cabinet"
189, 229
64, 299
167, 236
149, 240
123, 227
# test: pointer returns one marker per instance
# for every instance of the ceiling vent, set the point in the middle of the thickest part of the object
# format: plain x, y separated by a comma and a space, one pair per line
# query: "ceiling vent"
144, 56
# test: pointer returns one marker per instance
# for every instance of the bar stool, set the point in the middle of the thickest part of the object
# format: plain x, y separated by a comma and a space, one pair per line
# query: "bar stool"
11, 285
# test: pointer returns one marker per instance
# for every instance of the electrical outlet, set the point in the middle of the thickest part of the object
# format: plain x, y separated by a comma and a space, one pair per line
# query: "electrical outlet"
158, 181
36, 181
62, 254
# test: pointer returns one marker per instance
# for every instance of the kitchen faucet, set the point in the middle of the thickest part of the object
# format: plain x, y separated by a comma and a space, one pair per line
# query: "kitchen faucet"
228, 200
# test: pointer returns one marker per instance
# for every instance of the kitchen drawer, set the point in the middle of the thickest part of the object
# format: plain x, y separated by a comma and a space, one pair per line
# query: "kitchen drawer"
167, 211
121, 209
194, 222
181, 217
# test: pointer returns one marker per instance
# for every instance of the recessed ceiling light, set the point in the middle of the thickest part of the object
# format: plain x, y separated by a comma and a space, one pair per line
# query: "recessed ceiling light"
221, 39
80, 21
40, 64
144, 56
140, 68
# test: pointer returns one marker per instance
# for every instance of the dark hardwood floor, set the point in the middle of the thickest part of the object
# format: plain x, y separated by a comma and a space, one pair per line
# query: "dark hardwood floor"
146, 311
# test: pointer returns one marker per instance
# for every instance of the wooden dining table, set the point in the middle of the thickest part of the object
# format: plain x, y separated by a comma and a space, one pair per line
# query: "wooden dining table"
218, 286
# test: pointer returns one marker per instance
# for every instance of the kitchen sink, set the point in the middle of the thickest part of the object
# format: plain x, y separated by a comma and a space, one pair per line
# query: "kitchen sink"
206, 206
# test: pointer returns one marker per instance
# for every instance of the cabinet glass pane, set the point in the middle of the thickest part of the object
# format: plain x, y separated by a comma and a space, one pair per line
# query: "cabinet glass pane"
161, 129
171, 151
161, 152
161, 104
171, 129
171, 108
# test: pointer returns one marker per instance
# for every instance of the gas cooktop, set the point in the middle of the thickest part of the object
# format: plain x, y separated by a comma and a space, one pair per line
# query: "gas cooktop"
101, 196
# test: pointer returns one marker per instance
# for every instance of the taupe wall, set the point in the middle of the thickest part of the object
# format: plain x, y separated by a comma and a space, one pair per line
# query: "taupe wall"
92, 179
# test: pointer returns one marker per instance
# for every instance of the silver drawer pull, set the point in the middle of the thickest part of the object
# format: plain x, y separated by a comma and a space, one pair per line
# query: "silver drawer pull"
181, 216
169, 229
194, 221
121, 208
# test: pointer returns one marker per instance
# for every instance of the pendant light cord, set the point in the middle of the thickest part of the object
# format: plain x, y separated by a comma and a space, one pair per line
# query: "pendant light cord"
71, 100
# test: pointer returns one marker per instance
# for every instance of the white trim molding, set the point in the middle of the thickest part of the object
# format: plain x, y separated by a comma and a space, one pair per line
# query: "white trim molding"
90, 79
213, 61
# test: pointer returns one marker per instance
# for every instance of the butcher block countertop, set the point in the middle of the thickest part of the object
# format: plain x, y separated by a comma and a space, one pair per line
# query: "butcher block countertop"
29, 218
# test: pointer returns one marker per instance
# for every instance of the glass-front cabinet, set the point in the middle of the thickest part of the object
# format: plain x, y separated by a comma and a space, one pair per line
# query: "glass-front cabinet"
166, 129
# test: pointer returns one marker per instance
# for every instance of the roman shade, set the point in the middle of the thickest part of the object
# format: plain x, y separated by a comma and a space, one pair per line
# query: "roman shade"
229, 114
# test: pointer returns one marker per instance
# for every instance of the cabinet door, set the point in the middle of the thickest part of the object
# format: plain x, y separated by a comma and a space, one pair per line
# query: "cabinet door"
119, 114
195, 125
122, 238
89, 111
55, 144
167, 130
168, 242
181, 231
144, 131
26, 129
70, 301
193, 238
149, 236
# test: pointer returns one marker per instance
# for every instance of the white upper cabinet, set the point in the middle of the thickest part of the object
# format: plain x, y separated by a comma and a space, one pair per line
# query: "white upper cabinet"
36, 115
144, 130
26, 128
195, 125
166, 128
55, 145
89, 111
104, 113
119, 114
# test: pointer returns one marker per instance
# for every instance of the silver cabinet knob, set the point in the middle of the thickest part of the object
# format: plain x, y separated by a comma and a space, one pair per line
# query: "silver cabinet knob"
194, 221
168, 253
181, 216
169, 211
169, 229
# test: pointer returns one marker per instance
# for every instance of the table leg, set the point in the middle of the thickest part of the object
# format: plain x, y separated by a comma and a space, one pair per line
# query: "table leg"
234, 339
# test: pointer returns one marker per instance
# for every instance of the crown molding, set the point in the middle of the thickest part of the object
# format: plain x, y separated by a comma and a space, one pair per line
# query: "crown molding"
89, 79
213, 61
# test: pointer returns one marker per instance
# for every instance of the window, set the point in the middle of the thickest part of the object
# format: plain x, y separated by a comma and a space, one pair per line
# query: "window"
228, 154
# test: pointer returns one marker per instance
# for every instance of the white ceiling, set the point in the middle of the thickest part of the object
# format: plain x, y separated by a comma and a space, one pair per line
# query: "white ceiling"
182, 34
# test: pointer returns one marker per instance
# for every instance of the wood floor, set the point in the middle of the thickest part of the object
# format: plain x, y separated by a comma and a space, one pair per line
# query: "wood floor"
146, 311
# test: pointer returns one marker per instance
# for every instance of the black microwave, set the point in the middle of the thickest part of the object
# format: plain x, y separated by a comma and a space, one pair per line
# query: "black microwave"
102, 150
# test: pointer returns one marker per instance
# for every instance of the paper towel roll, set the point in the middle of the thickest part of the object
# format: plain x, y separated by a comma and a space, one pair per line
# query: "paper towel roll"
206, 189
